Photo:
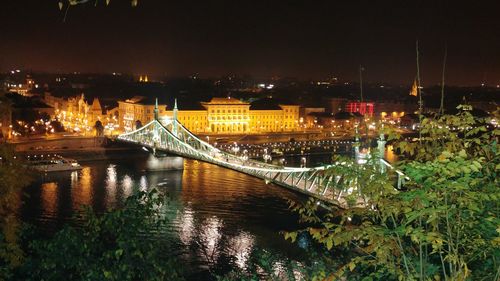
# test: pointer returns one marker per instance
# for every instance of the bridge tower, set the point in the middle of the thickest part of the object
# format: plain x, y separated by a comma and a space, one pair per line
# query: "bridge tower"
356, 144
381, 150
175, 117
156, 109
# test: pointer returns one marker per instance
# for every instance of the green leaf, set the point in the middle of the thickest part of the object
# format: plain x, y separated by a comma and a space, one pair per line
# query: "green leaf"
329, 243
118, 253
108, 274
351, 266
291, 235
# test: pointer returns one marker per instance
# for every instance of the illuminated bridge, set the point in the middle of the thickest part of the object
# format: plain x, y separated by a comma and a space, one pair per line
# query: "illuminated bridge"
172, 137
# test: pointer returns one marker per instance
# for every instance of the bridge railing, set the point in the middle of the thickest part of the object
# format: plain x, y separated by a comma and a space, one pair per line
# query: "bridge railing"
174, 137
224, 153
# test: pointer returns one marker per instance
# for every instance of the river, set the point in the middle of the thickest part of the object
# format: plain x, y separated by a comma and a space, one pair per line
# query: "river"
215, 214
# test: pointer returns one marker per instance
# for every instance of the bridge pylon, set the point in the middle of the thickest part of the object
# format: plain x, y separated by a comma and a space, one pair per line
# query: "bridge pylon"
381, 150
156, 109
175, 125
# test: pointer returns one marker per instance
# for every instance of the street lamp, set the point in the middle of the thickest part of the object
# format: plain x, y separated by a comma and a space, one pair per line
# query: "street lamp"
235, 148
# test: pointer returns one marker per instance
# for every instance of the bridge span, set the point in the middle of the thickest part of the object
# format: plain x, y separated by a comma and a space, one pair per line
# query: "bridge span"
172, 137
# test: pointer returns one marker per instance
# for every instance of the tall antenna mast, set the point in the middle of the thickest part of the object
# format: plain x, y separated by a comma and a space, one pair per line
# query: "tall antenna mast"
419, 93
361, 82
441, 108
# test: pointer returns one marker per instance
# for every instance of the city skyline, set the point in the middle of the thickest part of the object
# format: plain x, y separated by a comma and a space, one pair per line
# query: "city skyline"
260, 39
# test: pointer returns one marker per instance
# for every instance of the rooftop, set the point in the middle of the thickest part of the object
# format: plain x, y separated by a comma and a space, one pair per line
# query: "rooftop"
265, 104
228, 100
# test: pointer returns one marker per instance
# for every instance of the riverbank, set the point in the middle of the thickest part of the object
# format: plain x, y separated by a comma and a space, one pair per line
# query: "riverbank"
102, 148
254, 146
274, 137
80, 148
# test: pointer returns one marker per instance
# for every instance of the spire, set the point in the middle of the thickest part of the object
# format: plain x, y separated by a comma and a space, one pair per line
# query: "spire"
356, 144
175, 109
96, 105
175, 117
156, 109
381, 149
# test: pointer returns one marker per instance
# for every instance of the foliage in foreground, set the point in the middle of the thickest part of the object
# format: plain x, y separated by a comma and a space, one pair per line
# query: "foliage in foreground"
263, 265
13, 177
107, 247
444, 225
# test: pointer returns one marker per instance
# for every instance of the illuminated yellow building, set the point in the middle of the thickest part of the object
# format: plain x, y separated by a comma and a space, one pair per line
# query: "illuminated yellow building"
138, 110
194, 120
233, 116
227, 115
290, 117
266, 120
268, 116
218, 116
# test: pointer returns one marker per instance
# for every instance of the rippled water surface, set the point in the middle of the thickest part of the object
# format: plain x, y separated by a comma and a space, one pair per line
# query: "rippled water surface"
216, 214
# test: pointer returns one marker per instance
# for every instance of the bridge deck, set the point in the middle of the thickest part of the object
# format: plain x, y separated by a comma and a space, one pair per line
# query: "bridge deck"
174, 138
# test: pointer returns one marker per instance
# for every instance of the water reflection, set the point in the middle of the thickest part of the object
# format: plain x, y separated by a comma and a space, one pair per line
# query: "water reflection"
82, 189
390, 155
127, 185
49, 198
111, 184
187, 228
216, 216
210, 238
240, 247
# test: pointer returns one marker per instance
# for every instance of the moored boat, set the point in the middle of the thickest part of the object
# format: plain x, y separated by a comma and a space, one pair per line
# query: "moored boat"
53, 163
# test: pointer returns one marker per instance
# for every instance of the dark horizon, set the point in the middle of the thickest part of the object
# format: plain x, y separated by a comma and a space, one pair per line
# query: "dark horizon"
304, 40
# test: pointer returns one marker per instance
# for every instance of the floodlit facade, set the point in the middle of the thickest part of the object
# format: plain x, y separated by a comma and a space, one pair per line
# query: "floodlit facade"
137, 111
218, 116
266, 120
194, 120
227, 115
75, 114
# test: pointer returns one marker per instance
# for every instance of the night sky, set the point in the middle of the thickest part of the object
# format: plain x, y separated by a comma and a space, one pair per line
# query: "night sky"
304, 39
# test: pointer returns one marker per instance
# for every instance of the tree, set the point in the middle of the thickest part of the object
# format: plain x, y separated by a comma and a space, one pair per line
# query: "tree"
444, 224
138, 124
79, 2
14, 176
99, 128
66, 4
107, 247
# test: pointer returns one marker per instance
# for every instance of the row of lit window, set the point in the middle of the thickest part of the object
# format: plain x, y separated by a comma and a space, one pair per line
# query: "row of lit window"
228, 117
267, 117
234, 111
194, 118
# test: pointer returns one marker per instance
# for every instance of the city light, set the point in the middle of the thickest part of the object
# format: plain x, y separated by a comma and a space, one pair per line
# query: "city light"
239, 141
